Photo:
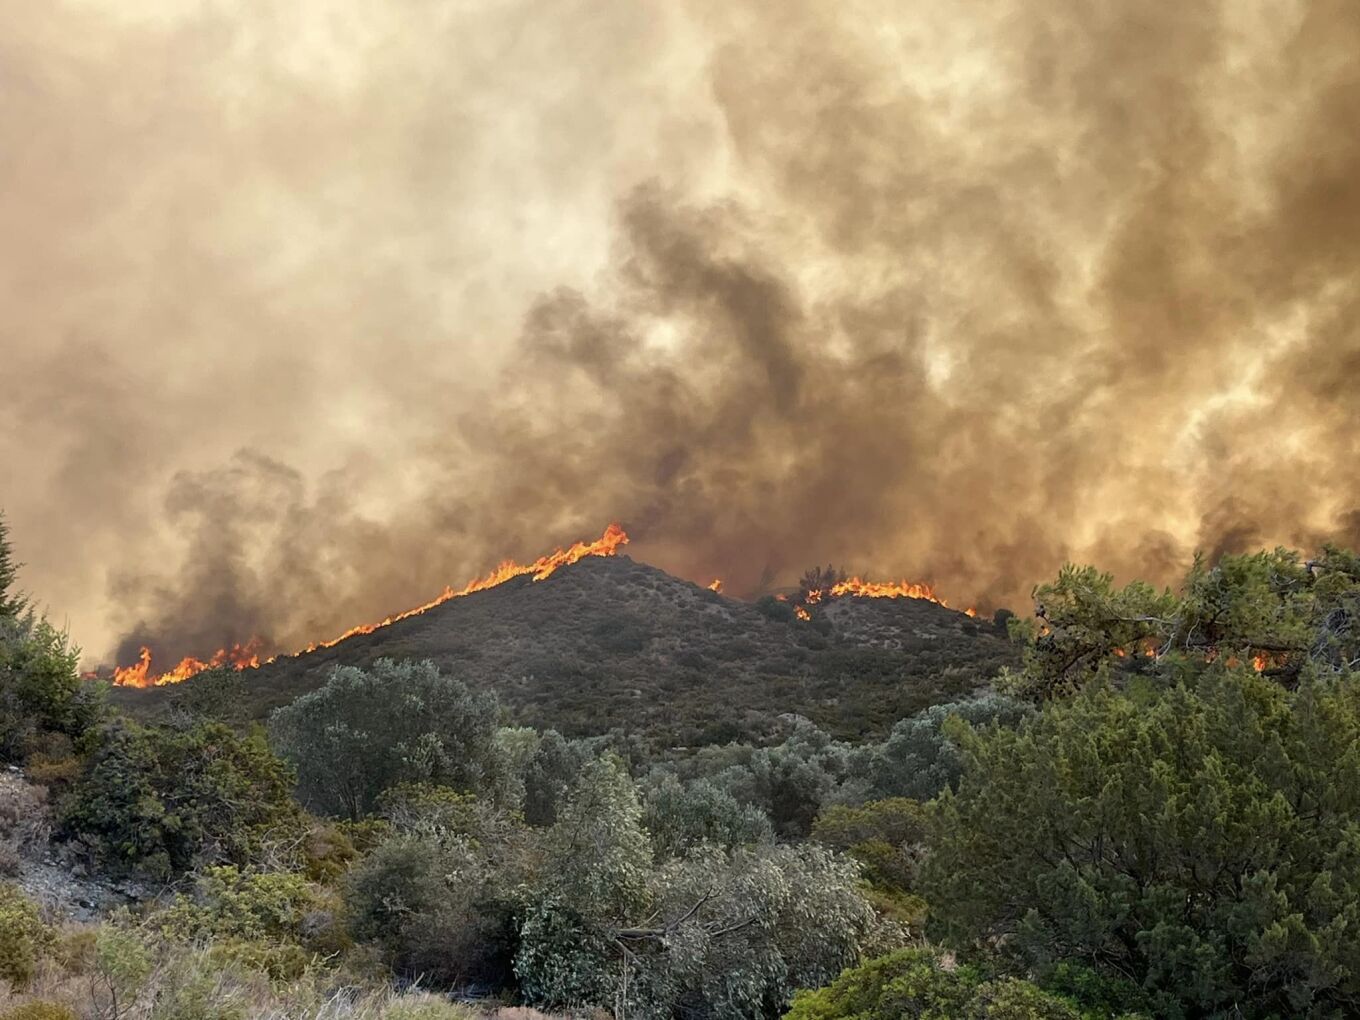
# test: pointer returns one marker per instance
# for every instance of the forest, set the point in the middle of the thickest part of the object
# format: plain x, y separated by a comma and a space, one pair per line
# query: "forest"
1154, 812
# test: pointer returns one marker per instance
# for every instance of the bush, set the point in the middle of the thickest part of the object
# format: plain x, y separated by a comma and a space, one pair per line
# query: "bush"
1198, 839
162, 801
442, 910
366, 731
426, 1007
886, 836
918, 759
41, 692
39, 1010
682, 816
916, 983
24, 939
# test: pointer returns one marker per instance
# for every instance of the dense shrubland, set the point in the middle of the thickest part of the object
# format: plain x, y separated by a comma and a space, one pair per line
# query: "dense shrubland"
1156, 815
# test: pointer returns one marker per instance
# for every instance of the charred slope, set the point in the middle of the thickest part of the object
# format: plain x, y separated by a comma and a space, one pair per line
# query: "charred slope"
609, 643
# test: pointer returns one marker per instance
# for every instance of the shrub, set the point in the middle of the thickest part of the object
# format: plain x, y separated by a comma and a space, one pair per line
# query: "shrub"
24, 939
366, 731
41, 692
39, 1009
161, 801
885, 836
442, 910
918, 759
1198, 839
916, 983
426, 1007
682, 816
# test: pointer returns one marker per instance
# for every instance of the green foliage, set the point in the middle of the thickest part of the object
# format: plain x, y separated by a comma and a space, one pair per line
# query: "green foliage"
41, 692
917, 983
551, 772
716, 934
791, 781
427, 1007
885, 836
1199, 839
366, 731
682, 816
161, 801
918, 759
214, 695
258, 906
1299, 620
122, 960
442, 909
39, 1009
24, 938
598, 854
12, 604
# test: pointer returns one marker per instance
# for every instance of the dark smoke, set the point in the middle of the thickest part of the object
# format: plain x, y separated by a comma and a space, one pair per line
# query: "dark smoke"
952, 296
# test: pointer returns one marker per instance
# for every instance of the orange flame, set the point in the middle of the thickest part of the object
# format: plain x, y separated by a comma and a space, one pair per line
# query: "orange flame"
715, 584
247, 656
860, 588
801, 613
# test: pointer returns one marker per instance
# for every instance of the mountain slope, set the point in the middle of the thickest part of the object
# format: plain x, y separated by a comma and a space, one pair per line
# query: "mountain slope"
610, 643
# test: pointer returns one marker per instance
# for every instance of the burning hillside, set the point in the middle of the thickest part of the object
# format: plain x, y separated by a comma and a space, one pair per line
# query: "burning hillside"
257, 652
248, 655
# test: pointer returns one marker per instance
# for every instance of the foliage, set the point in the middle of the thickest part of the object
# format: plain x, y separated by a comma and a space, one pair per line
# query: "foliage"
122, 961
368, 730
918, 759
161, 801
1199, 839
917, 983
791, 781
215, 695
682, 816
12, 604
39, 1010
40, 691
1297, 619
442, 909
885, 836
259, 906
597, 853
24, 938
716, 934
550, 772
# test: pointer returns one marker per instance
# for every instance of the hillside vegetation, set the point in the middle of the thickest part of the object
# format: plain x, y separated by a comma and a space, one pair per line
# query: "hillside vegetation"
1154, 813
608, 643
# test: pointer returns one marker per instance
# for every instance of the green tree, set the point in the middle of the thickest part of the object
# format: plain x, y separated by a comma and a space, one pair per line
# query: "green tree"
161, 801
12, 604
399, 722
41, 694
918, 759
681, 816
1197, 837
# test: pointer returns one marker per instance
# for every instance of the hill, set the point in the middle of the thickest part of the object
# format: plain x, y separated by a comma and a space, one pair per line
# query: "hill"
609, 643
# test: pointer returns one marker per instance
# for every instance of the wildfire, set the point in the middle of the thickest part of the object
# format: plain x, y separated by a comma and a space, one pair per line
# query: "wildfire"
715, 585
860, 588
247, 656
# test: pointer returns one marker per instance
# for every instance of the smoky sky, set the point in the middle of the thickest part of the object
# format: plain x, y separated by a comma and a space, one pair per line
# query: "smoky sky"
309, 312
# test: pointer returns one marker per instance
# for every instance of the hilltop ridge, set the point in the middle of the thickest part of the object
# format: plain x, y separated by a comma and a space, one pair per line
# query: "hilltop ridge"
611, 643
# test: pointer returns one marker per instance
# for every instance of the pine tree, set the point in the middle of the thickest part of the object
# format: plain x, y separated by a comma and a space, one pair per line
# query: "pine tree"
11, 602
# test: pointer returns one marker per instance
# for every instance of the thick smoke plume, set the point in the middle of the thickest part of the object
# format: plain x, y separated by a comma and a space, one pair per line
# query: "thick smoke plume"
309, 314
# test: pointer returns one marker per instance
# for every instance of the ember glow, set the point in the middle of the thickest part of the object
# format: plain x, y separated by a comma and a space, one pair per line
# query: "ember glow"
247, 656
715, 585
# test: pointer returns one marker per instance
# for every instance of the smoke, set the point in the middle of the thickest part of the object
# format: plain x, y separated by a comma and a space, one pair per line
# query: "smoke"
310, 313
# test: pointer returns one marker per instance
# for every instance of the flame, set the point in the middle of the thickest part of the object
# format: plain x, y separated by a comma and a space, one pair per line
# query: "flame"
860, 588
715, 585
247, 656
801, 613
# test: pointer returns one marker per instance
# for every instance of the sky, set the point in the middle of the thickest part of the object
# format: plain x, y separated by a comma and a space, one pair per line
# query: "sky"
310, 310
